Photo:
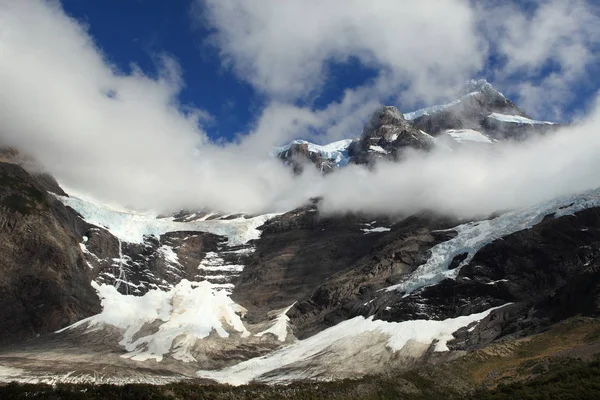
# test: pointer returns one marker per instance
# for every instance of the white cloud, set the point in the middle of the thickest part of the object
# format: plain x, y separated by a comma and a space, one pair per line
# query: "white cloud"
135, 147
558, 35
475, 182
283, 47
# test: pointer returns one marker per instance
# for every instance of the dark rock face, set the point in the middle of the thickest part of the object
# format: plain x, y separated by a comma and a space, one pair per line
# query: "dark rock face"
355, 290
47, 182
548, 273
50, 256
44, 280
136, 268
387, 136
297, 252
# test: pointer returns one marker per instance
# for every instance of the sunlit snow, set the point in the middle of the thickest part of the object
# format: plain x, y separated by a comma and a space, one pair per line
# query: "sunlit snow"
517, 119
280, 327
337, 151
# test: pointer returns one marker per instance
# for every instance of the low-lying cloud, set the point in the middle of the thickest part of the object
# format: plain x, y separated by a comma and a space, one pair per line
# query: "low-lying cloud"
125, 138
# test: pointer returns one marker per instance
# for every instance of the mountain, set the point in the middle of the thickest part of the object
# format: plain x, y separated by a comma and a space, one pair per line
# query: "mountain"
326, 158
481, 108
479, 116
94, 294
277, 298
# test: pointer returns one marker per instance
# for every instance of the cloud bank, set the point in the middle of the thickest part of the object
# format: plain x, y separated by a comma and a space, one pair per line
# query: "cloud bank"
124, 137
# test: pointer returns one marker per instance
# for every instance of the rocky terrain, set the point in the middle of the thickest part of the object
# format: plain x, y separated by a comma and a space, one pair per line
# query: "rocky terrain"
94, 294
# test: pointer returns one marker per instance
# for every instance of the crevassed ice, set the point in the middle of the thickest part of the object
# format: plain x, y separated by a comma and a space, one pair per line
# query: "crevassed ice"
188, 312
131, 227
473, 236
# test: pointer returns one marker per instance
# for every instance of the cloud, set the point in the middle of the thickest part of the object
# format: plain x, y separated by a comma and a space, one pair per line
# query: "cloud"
547, 50
283, 47
124, 137
119, 137
470, 182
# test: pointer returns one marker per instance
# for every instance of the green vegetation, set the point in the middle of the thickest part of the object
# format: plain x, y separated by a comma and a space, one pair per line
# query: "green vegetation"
361, 389
570, 379
567, 379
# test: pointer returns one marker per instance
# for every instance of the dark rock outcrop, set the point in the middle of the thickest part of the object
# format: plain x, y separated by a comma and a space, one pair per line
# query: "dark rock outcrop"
297, 252
548, 273
44, 279
388, 136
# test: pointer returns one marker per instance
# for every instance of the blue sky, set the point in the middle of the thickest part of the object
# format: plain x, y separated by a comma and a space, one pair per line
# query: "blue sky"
136, 32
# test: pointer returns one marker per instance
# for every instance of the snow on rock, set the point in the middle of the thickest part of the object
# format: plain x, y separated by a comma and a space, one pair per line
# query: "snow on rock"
471, 237
337, 151
378, 149
376, 230
468, 135
291, 362
213, 262
96, 378
189, 312
517, 119
471, 88
214, 269
131, 227
280, 327
9, 374
169, 255
433, 109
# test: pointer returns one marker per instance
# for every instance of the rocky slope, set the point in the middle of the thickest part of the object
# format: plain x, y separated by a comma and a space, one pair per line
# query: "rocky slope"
341, 296
94, 294
45, 282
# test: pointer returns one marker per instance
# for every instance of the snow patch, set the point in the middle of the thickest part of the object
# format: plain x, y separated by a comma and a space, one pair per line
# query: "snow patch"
336, 151
378, 149
433, 109
280, 327
169, 255
376, 230
318, 348
468, 135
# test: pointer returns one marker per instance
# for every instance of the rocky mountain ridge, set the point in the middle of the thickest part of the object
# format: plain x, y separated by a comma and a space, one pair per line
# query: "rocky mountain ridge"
480, 115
